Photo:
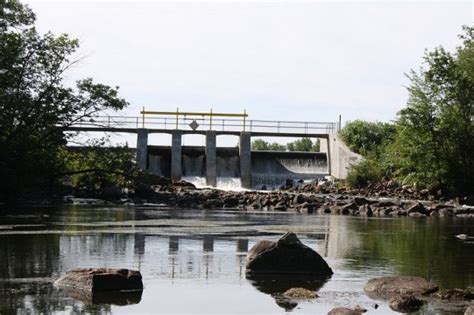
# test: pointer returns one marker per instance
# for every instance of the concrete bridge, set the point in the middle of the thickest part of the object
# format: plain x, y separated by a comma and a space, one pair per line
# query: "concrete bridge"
211, 127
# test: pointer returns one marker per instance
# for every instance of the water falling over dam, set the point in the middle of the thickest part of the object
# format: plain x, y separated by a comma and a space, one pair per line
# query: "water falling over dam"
270, 169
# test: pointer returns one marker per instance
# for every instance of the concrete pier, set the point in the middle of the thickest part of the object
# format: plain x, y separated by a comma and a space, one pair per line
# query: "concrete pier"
176, 149
211, 158
142, 148
245, 159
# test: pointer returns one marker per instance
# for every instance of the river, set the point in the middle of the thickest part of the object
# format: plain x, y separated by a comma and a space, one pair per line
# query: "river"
193, 261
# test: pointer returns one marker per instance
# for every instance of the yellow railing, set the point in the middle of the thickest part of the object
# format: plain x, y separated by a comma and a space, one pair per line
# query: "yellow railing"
210, 114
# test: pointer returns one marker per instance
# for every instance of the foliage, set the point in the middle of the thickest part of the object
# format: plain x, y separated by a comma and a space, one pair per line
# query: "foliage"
366, 172
435, 140
35, 105
363, 137
263, 145
96, 166
304, 144
432, 142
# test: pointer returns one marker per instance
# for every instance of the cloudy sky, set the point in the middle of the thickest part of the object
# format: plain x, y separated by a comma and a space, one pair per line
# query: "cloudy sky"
295, 60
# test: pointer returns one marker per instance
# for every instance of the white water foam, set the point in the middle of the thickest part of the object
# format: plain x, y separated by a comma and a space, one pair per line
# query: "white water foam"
223, 183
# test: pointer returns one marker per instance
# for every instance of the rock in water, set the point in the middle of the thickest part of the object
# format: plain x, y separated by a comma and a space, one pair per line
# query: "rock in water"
470, 310
405, 303
389, 286
300, 294
101, 279
286, 256
344, 311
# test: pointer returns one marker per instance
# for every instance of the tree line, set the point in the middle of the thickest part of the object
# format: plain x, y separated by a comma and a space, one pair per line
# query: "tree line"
430, 144
304, 144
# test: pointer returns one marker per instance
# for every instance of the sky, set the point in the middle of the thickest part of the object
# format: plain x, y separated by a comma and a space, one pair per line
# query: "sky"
295, 60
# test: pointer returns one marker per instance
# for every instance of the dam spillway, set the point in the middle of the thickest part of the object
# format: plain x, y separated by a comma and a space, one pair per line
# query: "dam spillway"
269, 169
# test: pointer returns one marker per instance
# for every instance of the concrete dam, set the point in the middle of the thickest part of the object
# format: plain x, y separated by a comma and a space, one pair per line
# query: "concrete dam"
269, 169
209, 165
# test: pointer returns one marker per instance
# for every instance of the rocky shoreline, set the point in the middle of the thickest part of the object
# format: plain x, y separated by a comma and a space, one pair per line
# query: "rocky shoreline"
318, 198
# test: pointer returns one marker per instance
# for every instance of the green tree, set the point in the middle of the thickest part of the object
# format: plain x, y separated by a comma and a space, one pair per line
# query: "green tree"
304, 144
35, 105
363, 136
434, 146
263, 145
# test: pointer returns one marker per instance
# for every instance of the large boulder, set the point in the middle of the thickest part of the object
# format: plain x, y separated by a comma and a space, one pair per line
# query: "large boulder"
286, 256
389, 286
101, 279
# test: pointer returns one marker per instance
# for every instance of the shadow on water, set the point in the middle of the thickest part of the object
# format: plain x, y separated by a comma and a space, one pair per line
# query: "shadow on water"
276, 285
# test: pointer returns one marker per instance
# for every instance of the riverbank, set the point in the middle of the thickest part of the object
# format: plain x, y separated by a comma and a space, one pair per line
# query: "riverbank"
324, 198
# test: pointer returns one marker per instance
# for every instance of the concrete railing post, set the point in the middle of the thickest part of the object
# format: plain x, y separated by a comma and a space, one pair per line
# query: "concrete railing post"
176, 155
245, 159
211, 158
142, 149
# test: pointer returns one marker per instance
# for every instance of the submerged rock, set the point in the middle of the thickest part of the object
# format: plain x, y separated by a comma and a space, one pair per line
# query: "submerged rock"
454, 295
101, 279
389, 286
286, 256
300, 294
405, 303
346, 311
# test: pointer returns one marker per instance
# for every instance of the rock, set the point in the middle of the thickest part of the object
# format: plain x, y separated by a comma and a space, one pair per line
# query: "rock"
231, 202
280, 206
454, 295
285, 303
359, 308
360, 201
286, 256
445, 213
416, 208
349, 208
183, 183
101, 279
389, 286
300, 294
299, 199
416, 215
307, 208
405, 303
344, 311
462, 236
469, 310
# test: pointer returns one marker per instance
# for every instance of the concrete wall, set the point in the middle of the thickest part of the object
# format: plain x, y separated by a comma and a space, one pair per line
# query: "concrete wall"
340, 157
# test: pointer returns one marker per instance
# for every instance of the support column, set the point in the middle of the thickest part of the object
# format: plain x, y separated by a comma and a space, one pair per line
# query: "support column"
329, 156
176, 155
211, 158
142, 149
245, 160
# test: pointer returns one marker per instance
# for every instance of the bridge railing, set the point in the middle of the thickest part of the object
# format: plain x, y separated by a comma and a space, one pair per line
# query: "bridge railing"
204, 123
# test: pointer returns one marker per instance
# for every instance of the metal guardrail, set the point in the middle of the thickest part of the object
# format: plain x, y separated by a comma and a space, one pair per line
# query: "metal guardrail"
204, 123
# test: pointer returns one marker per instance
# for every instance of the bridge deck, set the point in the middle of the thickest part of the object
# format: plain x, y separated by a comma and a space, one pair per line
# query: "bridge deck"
201, 132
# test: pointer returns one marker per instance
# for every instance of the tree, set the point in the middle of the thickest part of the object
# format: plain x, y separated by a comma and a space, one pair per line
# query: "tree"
434, 146
304, 144
263, 145
363, 136
35, 105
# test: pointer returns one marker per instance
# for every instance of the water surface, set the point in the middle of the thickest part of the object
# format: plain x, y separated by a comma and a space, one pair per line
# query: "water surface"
193, 261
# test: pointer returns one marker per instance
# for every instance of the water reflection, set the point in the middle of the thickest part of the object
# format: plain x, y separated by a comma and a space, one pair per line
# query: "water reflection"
97, 298
276, 285
208, 251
